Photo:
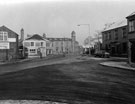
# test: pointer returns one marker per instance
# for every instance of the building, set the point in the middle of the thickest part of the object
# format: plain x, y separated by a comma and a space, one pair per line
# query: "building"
115, 39
36, 46
64, 45
51, 45
97, 46
8, 44
131, 37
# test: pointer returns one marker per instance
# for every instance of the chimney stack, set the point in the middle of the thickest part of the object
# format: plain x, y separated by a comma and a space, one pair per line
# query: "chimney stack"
22, 34
44, 35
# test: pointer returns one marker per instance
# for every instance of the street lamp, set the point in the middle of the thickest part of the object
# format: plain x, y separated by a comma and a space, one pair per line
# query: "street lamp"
89, 33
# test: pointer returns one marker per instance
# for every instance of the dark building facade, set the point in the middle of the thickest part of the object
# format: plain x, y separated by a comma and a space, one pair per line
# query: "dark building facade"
131, 38
114, 39
8, 44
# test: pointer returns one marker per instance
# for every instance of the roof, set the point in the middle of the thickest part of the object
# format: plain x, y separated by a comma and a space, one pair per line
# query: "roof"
116, 25
59, 39
35, 37
132, 14
4, 28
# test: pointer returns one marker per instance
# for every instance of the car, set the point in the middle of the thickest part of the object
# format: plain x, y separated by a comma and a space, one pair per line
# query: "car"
102, 53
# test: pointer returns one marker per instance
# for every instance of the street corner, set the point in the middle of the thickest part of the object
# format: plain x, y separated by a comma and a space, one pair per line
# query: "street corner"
93, 58
121, 65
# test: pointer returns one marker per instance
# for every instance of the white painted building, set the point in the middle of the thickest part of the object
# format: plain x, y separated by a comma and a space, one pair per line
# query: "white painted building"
36, 46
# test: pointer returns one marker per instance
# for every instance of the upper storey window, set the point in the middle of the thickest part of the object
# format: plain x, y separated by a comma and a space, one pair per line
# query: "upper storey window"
131, 25
3, 36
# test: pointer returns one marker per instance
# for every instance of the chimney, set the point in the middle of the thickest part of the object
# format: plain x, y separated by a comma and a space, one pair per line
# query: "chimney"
73, 35
44, 35
28, 35
22, 34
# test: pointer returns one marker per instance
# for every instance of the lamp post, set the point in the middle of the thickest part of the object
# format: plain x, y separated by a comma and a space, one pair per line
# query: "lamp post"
89, 33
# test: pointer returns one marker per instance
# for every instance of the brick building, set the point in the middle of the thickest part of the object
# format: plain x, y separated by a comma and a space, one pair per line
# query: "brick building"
65, 45
8, 44
114, 39
131, 37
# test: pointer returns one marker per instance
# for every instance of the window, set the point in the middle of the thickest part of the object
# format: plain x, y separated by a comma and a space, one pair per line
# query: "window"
62, 49
131, 25
124, 47
105, 36
61, 42
66, 43
32, 51
47, 44
116, 34
109, 35
32, 43
37, 44
56, 43
27, 44
42, 43
3, 36
124, 35
57, 48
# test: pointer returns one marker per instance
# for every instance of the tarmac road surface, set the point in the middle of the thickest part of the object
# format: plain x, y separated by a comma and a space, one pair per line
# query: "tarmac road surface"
76, 82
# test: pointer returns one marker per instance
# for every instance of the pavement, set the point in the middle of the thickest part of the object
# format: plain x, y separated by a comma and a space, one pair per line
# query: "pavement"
112, 62
121, 65
29, 59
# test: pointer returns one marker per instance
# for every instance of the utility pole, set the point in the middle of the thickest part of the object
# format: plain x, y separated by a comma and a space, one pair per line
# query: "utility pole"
88, 35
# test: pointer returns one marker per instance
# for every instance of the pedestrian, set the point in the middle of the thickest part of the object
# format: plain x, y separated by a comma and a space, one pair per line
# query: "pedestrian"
40, 55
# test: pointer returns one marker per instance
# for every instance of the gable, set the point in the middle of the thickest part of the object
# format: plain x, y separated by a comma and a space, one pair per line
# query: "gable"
11, 34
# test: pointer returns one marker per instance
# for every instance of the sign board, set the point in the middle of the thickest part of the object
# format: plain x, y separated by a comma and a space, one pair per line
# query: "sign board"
12, 39
4, 45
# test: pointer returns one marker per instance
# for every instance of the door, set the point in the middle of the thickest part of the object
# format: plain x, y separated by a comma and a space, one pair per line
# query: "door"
133, 52
43, 51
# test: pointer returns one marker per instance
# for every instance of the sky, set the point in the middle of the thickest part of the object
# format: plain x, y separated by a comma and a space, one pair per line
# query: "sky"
58, 18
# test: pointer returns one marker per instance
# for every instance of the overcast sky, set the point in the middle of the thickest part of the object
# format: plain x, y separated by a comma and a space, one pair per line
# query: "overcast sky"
59, 18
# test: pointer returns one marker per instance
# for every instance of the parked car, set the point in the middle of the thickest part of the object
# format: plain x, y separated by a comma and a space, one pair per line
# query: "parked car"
102, 53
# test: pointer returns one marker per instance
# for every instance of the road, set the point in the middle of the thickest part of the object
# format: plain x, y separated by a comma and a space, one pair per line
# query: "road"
38, 62
73, 80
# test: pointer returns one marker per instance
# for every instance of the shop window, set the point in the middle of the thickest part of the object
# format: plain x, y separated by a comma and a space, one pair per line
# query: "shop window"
32, 50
